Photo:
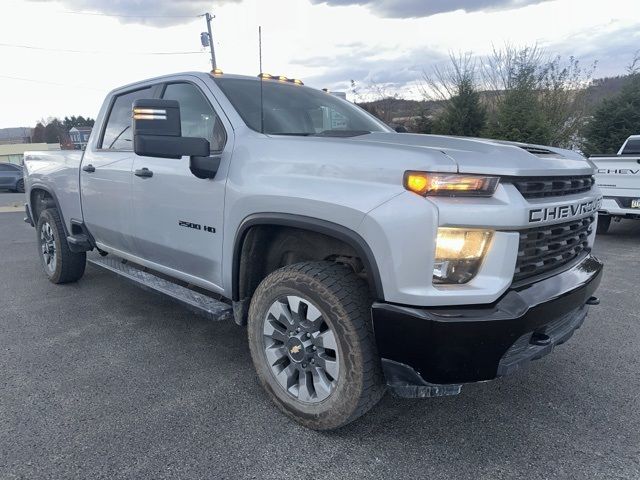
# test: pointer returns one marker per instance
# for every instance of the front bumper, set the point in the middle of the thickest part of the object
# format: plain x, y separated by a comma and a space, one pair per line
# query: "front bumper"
431, 351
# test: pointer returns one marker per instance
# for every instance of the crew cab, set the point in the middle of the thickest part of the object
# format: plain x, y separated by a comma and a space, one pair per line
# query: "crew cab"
360, 259
618, 177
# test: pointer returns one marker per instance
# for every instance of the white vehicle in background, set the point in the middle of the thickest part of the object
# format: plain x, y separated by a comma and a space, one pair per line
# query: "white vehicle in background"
618, 177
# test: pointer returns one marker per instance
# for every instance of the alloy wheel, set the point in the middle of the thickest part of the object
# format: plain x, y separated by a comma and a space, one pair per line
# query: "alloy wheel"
301, 349
48, 247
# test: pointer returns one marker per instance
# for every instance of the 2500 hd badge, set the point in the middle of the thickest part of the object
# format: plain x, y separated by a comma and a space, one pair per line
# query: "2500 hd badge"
563, 211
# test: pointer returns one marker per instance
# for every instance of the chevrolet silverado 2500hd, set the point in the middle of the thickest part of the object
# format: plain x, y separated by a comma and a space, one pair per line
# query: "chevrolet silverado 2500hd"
618, 177
360, 258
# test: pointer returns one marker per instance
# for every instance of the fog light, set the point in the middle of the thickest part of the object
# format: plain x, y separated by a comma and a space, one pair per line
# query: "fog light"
459, 254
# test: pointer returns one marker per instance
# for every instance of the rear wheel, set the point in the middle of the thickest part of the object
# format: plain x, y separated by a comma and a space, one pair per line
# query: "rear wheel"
312, 344
604, 222
20, 186
60, 264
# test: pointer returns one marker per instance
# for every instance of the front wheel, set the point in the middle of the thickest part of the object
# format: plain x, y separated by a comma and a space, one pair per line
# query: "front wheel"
312, 344
60, 264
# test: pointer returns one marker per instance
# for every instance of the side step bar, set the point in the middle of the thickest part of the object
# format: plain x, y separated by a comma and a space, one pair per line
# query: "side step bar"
197, 302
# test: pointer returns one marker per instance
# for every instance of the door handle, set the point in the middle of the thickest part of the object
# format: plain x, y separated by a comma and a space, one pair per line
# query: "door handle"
89, 168
144, 173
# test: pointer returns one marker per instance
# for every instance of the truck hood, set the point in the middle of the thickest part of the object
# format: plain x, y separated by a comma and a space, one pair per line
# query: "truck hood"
495, 157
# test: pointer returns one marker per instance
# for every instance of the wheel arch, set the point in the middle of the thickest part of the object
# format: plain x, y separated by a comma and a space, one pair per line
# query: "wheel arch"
310, 224
42, 197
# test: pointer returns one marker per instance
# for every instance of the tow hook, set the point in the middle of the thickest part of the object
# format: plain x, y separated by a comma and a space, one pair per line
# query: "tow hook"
540, 339
593, 301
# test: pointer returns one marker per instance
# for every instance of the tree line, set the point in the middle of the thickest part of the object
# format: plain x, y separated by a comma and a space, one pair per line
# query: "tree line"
54, 130
525, 95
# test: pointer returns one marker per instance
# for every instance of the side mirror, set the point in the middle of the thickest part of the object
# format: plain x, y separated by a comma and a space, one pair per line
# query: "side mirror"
157, 131
401, 129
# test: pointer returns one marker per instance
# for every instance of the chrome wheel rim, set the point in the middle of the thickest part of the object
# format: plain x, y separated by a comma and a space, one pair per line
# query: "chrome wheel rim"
301, 349
48, 247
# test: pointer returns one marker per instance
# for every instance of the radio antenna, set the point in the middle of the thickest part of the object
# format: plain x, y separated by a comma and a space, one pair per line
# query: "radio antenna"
261, 79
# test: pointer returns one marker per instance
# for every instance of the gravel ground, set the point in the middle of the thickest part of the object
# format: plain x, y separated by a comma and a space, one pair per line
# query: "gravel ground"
103, 380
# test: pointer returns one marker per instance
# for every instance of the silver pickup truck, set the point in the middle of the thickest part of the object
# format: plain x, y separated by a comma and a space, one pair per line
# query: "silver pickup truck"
618, 177
359, 258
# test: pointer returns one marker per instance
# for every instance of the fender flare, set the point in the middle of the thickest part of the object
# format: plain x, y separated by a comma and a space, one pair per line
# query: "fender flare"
39, 186
324, 227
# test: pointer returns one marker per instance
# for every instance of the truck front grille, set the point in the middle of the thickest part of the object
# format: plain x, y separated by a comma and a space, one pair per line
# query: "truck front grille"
539, 187
543, 249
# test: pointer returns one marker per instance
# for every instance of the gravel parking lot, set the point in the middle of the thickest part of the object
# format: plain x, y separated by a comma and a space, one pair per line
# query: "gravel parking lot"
103, 380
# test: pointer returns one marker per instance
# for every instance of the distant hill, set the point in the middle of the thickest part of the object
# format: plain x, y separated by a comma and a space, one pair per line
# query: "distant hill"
399, 110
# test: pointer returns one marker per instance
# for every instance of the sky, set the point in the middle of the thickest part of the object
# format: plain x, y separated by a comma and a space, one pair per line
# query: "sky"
60, 58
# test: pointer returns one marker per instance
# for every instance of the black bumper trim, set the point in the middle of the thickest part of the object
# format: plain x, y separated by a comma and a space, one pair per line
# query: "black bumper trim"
455, 345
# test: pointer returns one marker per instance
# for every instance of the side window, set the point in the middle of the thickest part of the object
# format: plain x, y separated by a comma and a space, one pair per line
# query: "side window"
117, 135
197, 117
5, 168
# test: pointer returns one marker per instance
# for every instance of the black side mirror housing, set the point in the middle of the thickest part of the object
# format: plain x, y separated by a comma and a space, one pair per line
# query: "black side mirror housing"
401, 129
157, 131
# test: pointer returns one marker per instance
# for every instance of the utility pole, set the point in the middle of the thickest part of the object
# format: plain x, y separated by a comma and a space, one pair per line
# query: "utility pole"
208, 17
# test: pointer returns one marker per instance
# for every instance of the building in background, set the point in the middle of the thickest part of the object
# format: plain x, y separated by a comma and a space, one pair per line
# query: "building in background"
15, 135
13, 152
79, 137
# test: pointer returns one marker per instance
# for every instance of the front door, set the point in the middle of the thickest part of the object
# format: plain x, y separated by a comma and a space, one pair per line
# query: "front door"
106, 177
177, 216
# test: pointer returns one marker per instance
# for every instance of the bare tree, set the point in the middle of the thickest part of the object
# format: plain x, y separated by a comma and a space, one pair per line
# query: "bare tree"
455, 87
534, 97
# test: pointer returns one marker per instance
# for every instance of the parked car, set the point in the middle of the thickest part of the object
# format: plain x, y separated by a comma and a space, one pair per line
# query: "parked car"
359, 258
11, 177
618, 177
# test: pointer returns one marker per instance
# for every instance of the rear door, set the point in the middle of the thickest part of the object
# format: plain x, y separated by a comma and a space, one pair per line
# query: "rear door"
105, 176
178, 217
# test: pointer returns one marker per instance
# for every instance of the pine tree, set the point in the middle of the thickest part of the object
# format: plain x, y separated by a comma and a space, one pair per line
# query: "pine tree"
615, 119
463, 114
520, 116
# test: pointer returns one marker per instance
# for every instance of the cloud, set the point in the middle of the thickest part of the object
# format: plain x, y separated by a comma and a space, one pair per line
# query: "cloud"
613, 50
369, 69
425, 8
160, 13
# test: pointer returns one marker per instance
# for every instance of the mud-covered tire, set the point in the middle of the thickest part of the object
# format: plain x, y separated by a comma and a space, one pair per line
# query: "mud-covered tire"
20, 186
604, 222
60, 264
344, 301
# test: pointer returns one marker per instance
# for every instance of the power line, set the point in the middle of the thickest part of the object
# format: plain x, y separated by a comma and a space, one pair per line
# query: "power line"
45, 82
64, 50
99, 14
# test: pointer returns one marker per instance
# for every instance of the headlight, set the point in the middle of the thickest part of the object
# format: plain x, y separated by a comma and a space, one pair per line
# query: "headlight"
451, 185
459, 254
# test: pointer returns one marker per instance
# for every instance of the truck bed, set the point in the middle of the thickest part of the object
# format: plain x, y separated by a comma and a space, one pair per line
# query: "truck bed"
56, 172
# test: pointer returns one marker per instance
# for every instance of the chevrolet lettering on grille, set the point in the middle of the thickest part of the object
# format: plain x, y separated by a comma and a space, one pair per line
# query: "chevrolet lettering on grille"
560, 212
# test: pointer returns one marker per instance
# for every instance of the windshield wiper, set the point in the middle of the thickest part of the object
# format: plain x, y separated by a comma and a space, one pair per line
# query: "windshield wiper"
342, 133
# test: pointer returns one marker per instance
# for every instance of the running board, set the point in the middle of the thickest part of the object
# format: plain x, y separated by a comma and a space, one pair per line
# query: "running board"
197, 302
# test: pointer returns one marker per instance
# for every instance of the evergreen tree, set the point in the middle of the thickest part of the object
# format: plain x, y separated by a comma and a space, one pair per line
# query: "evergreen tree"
455, 85
615, 119
38, 133
463, 114
520, 115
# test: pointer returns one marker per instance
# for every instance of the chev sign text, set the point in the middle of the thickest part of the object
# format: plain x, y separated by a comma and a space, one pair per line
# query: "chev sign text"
563, 211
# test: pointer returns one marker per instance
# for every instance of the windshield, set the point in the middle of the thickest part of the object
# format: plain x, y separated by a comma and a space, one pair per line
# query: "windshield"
296, 110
